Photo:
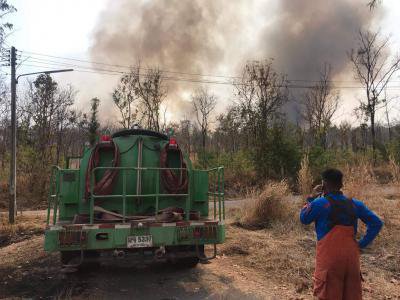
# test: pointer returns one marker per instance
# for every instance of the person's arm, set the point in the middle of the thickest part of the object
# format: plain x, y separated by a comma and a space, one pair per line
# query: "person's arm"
310, 212
373, 223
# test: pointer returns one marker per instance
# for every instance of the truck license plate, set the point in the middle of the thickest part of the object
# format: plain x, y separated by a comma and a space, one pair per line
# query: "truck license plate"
140, 241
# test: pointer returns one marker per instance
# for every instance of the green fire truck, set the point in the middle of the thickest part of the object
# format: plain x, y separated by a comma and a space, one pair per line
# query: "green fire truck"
135, 195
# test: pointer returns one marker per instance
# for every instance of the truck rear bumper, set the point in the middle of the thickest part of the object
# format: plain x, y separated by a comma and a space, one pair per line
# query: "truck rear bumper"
106, 236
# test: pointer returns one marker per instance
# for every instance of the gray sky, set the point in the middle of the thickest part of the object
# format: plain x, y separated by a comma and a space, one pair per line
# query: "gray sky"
64, 28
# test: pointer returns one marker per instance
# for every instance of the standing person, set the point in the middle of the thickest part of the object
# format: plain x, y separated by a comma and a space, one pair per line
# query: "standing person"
337, 268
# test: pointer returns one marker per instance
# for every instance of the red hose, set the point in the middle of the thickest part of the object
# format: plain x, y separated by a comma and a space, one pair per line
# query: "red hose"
105, 185
173, 183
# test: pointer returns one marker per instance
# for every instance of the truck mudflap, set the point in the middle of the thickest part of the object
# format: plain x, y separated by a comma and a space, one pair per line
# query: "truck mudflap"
135, 235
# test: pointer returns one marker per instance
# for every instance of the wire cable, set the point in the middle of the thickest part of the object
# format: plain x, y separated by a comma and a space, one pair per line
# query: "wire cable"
124, 66
40, 55
46, 63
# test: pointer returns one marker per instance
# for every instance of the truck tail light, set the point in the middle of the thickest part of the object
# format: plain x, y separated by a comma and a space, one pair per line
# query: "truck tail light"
105, 138
173, 143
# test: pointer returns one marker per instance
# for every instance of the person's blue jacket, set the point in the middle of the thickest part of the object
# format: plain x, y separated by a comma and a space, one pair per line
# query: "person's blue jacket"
317, 210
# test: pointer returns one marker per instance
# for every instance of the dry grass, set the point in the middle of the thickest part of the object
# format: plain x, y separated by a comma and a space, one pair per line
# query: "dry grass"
382, 199
284, 254
286, 249
25, 227
394, 170
267, 207
357, 177
304, 177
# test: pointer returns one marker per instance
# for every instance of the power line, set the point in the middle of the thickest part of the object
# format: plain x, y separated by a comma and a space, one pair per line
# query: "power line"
179, 79
46, 63
119, 73
124, 66
32, 54
76, 66
38, 65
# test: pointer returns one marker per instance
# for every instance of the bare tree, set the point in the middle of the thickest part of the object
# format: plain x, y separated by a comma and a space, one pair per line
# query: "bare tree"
186, 134
387, 117
319, 105
152, 93
5, 9
76, 133
345, 135
203, 104
228, 129
139, 96
261, 92
65, 98
373, 68
125, 97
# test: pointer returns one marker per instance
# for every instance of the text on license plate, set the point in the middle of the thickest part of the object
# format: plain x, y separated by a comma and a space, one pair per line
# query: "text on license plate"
139, 241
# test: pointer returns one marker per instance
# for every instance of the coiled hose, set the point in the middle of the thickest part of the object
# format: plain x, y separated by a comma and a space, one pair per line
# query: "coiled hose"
173, 182
105, 185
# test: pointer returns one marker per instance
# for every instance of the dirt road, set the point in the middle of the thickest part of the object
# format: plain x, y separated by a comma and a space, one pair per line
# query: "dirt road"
27, 271
271, 263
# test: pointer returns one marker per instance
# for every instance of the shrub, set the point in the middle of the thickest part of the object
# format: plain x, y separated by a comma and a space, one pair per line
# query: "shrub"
394, 149
320, 159
239, 169
271, 205
205, 159
277, 156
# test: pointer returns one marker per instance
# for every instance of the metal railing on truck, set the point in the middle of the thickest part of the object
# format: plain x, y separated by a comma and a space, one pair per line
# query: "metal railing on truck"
218, 191
216, 194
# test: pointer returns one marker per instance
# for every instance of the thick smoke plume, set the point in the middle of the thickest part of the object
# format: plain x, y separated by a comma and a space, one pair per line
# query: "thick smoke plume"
179, 35
306, 34
212, 36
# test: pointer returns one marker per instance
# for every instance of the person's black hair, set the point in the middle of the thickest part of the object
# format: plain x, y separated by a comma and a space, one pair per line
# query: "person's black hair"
333, 176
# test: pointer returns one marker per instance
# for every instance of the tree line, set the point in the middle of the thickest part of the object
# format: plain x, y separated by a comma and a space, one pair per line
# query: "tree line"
254, 137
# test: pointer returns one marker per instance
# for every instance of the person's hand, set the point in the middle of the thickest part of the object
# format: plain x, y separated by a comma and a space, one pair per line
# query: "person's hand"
317, 190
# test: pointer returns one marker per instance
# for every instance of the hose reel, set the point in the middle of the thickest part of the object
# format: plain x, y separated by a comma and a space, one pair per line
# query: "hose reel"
105, 185
173, 182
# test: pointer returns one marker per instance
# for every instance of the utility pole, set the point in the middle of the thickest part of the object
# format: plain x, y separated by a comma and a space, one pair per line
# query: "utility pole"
12, 205
13, 162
